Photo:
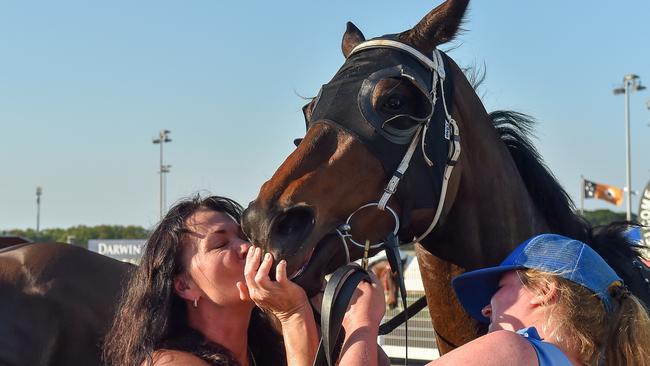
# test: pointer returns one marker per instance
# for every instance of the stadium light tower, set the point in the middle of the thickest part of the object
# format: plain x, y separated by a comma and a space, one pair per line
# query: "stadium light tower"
39, 192
163, 137
631, 83
165, 170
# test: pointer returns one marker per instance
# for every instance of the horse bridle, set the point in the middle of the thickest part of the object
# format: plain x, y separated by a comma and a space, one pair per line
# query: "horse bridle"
346, 278
452, 134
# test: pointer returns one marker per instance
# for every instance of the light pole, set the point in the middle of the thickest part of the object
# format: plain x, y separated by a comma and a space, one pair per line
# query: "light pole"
165, 169
163, 137
39, 192
631, 83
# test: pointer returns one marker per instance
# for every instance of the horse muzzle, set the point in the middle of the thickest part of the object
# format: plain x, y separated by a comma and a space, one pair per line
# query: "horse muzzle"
282, 232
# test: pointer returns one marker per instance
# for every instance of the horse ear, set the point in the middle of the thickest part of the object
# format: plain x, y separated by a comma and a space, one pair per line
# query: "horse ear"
351, 38
437, 27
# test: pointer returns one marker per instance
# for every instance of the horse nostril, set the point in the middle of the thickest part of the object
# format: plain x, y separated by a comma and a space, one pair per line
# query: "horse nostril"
295, 222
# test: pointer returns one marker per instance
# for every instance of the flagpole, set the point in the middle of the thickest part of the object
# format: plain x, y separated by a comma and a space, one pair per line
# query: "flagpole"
582, 195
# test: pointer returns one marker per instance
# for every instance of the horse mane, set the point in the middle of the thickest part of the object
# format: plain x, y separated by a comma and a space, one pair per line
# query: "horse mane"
605, 239
610, 241
515, 130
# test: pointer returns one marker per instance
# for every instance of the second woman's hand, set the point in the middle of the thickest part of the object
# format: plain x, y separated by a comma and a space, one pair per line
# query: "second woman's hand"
367, 306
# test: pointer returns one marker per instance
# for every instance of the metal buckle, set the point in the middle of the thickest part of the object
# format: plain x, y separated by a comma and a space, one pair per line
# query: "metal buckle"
344, 229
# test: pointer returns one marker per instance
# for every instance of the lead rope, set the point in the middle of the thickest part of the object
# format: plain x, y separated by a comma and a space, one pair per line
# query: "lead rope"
391, 245
338, 293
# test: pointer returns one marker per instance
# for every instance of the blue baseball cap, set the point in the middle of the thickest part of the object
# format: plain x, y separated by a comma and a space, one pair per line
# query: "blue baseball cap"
557, 254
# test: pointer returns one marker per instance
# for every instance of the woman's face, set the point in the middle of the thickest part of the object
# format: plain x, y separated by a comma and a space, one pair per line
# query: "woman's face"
214, 254
510, 306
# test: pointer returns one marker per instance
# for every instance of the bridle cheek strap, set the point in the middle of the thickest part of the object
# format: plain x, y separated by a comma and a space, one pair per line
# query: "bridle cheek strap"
391, 187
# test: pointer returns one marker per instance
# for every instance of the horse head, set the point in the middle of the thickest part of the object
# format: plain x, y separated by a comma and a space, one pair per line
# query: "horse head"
392, 97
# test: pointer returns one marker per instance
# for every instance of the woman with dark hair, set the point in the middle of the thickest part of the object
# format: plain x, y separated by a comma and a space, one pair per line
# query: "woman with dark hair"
187, 303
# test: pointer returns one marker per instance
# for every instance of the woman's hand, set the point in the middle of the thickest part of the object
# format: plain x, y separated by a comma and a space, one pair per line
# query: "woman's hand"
286, 300
367, 306
282, 297
361, 324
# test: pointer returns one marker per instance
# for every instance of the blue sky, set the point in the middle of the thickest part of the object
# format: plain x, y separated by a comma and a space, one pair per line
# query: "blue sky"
84, 86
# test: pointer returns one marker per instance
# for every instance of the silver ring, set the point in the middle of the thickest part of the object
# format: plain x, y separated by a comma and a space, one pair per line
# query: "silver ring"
374, 246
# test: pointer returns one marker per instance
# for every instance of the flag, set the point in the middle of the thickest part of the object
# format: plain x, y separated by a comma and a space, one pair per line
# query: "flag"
604, 192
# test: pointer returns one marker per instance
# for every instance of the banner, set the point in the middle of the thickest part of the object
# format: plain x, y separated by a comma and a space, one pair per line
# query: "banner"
644, 215
611, 194
125, 250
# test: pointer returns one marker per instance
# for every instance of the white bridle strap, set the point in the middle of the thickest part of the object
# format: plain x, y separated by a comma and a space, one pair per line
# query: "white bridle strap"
387, 43
454, 152
391, 187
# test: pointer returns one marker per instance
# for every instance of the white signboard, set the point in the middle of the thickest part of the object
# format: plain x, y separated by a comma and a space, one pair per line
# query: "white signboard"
125, 250
644, 215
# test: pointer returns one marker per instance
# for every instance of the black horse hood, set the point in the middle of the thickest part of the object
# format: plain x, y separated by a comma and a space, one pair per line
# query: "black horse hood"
345, 102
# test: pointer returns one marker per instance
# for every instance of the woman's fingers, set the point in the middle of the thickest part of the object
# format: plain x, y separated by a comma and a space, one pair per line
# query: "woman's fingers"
373, 277
244, 295
248, 266
251, 266
262, 276
281, 273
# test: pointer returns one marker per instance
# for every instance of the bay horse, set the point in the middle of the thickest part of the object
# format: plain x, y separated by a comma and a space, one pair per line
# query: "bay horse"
56, 303
388, 279
397, 95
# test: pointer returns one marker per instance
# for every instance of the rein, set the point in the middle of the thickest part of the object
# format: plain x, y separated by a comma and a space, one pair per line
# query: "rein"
344, 281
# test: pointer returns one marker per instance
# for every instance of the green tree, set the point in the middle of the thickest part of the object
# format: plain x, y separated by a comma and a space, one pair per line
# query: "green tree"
604, 217
80, 234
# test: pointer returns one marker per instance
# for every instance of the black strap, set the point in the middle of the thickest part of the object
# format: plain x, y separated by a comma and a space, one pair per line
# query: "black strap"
391, 246
402, 317
338, 293
337, 296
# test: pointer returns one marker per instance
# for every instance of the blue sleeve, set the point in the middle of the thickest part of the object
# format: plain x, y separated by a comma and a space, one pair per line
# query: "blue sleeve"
547, 353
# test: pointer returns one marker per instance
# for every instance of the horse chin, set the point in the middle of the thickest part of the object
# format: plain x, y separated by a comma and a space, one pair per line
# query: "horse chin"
321, 261
304, 266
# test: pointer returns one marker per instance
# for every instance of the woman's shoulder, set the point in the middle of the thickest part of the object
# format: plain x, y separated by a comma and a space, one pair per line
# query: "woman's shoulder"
497, 348
169, 357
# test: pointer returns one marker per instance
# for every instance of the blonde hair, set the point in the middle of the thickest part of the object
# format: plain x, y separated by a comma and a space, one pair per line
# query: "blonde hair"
577, 320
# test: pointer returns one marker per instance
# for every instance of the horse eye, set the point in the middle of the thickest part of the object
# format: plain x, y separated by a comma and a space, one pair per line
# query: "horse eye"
393, 104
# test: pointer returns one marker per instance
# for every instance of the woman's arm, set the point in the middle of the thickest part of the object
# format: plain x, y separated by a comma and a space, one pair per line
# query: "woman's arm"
300, 338
361, 324
287, 301
501, 347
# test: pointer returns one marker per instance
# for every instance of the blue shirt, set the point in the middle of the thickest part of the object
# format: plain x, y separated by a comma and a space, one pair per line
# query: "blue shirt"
547, 354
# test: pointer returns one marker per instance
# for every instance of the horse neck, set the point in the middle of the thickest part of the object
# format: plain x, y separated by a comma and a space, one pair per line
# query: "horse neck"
488, 208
